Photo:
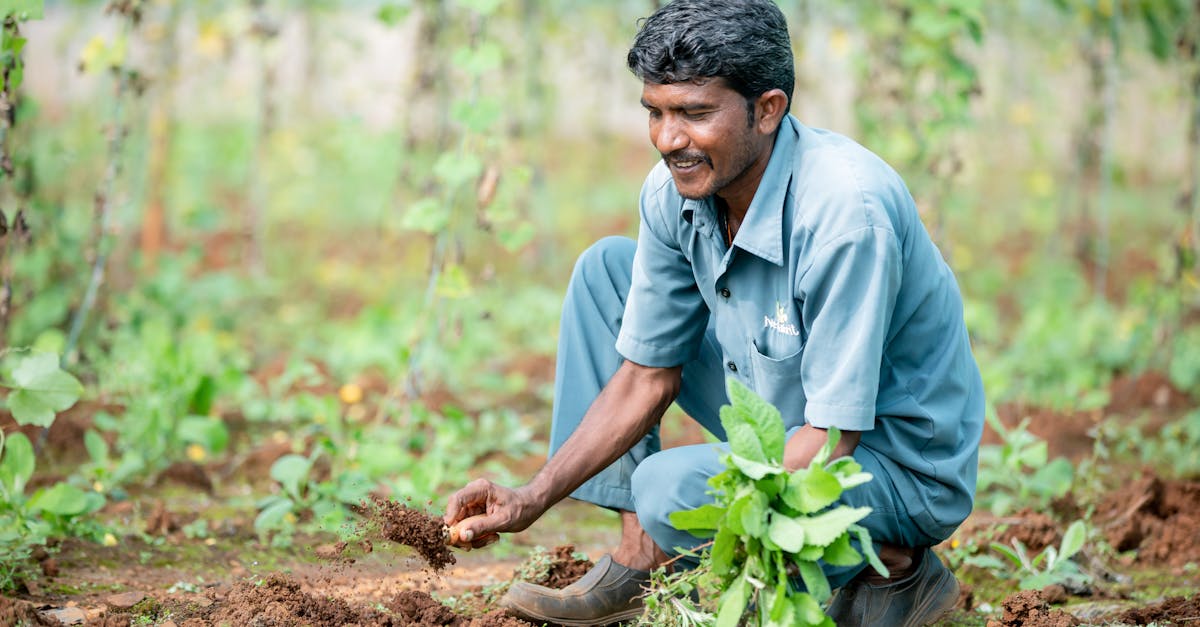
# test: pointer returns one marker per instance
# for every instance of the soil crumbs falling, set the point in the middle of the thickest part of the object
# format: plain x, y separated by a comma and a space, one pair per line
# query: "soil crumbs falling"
410, 527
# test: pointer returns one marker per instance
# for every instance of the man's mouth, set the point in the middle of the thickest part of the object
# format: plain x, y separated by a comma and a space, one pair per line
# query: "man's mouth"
685, 163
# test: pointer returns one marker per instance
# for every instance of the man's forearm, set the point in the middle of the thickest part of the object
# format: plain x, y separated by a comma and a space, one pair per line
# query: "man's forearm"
626, 409
805, 443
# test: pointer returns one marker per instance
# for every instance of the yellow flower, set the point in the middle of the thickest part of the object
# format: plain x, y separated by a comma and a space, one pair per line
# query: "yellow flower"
110, 540
351, 393
290, 518
954, 543
97, 486
196, 453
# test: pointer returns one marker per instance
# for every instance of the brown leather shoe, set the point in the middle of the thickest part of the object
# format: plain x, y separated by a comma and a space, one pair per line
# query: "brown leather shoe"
917, 600
608, 593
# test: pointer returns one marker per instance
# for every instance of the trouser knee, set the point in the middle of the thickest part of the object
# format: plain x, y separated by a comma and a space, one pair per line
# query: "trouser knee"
605, 265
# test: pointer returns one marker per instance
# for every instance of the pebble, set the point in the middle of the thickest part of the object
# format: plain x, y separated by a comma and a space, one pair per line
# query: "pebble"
125, 600
67, 615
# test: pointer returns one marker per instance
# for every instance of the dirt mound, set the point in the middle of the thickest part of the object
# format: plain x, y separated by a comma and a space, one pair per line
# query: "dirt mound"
410, 527
565, 569
1173, 610
280, 601
1030, 609
1161, 519
1035, 530
14, 612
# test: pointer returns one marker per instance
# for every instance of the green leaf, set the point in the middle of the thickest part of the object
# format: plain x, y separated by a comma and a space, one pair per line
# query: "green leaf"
754, 515
272, 516
753, 469
733, 603
743, 442
392, 13
808, 609
824, 528
833, 436
455, 169
41, 389
724, 544
842, 553
96, 447
291, 471
815, 581
17, 464
429, 215
62, 500
202, 397
868, 549
207, 431
786, 532
702, 521
1073, 540
811, 490
763, 418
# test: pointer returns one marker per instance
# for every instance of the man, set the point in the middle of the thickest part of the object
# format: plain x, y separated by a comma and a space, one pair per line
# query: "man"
790, 258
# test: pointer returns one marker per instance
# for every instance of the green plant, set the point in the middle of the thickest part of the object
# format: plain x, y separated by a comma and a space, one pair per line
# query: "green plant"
765, 522
1018, 471
1051, 566
302, 495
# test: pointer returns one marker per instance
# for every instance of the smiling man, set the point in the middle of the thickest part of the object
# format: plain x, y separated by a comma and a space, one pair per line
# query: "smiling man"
790, 258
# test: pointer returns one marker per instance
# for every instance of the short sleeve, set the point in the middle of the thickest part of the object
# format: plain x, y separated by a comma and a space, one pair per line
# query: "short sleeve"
665, 315
848, 294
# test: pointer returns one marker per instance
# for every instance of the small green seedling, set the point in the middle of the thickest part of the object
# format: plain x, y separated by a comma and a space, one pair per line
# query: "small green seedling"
1051, 566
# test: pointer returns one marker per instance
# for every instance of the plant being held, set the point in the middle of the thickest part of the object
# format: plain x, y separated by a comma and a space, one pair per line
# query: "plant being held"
766, 524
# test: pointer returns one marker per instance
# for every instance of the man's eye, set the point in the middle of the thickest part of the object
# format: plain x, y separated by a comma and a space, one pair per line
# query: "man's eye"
695, 115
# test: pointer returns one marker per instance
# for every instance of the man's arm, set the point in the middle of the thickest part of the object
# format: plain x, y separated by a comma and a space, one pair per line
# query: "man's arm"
626, 409
806, 442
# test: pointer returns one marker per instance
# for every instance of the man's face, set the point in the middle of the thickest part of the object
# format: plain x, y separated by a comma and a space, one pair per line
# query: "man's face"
705, 136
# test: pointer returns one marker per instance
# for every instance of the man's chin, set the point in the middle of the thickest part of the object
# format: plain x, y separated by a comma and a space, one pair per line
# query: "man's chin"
692, 192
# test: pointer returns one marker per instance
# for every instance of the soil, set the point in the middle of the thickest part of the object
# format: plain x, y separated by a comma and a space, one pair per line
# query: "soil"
1030, 609
410, 527
1035, 530
13, 612
1160, 518
1172, 611
565, 569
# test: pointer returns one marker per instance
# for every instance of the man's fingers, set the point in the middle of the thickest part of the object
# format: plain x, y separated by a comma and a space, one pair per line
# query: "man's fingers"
485, 540
461, 503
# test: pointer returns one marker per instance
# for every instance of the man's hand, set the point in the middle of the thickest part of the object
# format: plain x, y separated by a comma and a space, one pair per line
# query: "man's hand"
479, 512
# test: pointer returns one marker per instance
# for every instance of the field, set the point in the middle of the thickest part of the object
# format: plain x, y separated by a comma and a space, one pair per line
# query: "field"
271, 271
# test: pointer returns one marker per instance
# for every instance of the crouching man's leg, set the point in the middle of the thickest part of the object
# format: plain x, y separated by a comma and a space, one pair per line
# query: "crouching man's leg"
919, 590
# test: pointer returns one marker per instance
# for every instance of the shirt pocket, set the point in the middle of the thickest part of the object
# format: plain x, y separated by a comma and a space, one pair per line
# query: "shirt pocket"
777, 379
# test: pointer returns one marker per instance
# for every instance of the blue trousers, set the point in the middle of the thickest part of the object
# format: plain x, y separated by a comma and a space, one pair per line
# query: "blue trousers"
653, 482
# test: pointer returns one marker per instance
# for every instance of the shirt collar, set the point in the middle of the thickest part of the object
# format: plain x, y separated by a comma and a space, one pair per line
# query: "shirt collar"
761, 232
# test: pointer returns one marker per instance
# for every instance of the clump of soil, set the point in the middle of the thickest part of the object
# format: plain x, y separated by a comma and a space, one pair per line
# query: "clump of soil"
1035, 530
14, 612
1029, 609
1173, 610
565, 569
410, 527
1161, 519
279, 601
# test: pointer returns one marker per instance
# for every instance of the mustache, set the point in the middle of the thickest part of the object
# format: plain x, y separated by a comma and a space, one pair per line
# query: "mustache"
683, 155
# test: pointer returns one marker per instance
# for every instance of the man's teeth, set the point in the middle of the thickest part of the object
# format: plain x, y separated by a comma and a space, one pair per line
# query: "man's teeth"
687, 164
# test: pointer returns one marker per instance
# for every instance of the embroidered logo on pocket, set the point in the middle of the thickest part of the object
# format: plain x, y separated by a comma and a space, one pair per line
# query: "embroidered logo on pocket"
780, 323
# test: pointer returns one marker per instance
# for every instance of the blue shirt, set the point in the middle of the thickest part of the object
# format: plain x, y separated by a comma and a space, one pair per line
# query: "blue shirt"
832, 303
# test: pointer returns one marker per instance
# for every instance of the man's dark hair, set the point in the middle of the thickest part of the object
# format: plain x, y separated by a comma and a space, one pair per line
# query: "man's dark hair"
744, 42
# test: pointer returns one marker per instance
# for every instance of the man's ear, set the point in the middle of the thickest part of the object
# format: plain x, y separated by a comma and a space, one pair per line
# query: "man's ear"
770, 108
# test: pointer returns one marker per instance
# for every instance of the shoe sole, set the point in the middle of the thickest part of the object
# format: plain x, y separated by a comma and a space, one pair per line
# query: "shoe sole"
603, 620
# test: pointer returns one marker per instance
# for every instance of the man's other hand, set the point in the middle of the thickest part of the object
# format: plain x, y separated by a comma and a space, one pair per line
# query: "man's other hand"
478, 513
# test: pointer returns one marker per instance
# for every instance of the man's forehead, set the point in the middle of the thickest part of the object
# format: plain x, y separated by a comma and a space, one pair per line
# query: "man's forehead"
707, 89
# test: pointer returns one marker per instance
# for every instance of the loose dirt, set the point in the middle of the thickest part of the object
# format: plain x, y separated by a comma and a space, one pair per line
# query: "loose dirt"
1030, 609
565, 569
1160, 518
1035, 530
404, 525
14, 612
1172, 611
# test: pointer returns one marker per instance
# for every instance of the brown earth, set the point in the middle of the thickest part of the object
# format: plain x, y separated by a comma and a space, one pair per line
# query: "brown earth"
1172, 611
565, 569
1160, 518
404, 525
1030, 609
1035, 530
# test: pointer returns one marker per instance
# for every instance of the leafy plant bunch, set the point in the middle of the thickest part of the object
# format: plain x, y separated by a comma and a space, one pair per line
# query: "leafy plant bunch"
767, 525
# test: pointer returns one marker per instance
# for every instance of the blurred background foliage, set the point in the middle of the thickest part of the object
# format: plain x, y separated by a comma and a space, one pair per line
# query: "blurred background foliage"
342, 229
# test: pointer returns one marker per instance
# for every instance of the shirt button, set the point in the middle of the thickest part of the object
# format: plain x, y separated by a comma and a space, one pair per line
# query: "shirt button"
725, 292
732, 367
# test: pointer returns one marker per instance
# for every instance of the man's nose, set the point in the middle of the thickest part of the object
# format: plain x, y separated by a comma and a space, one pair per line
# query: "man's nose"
670, 136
